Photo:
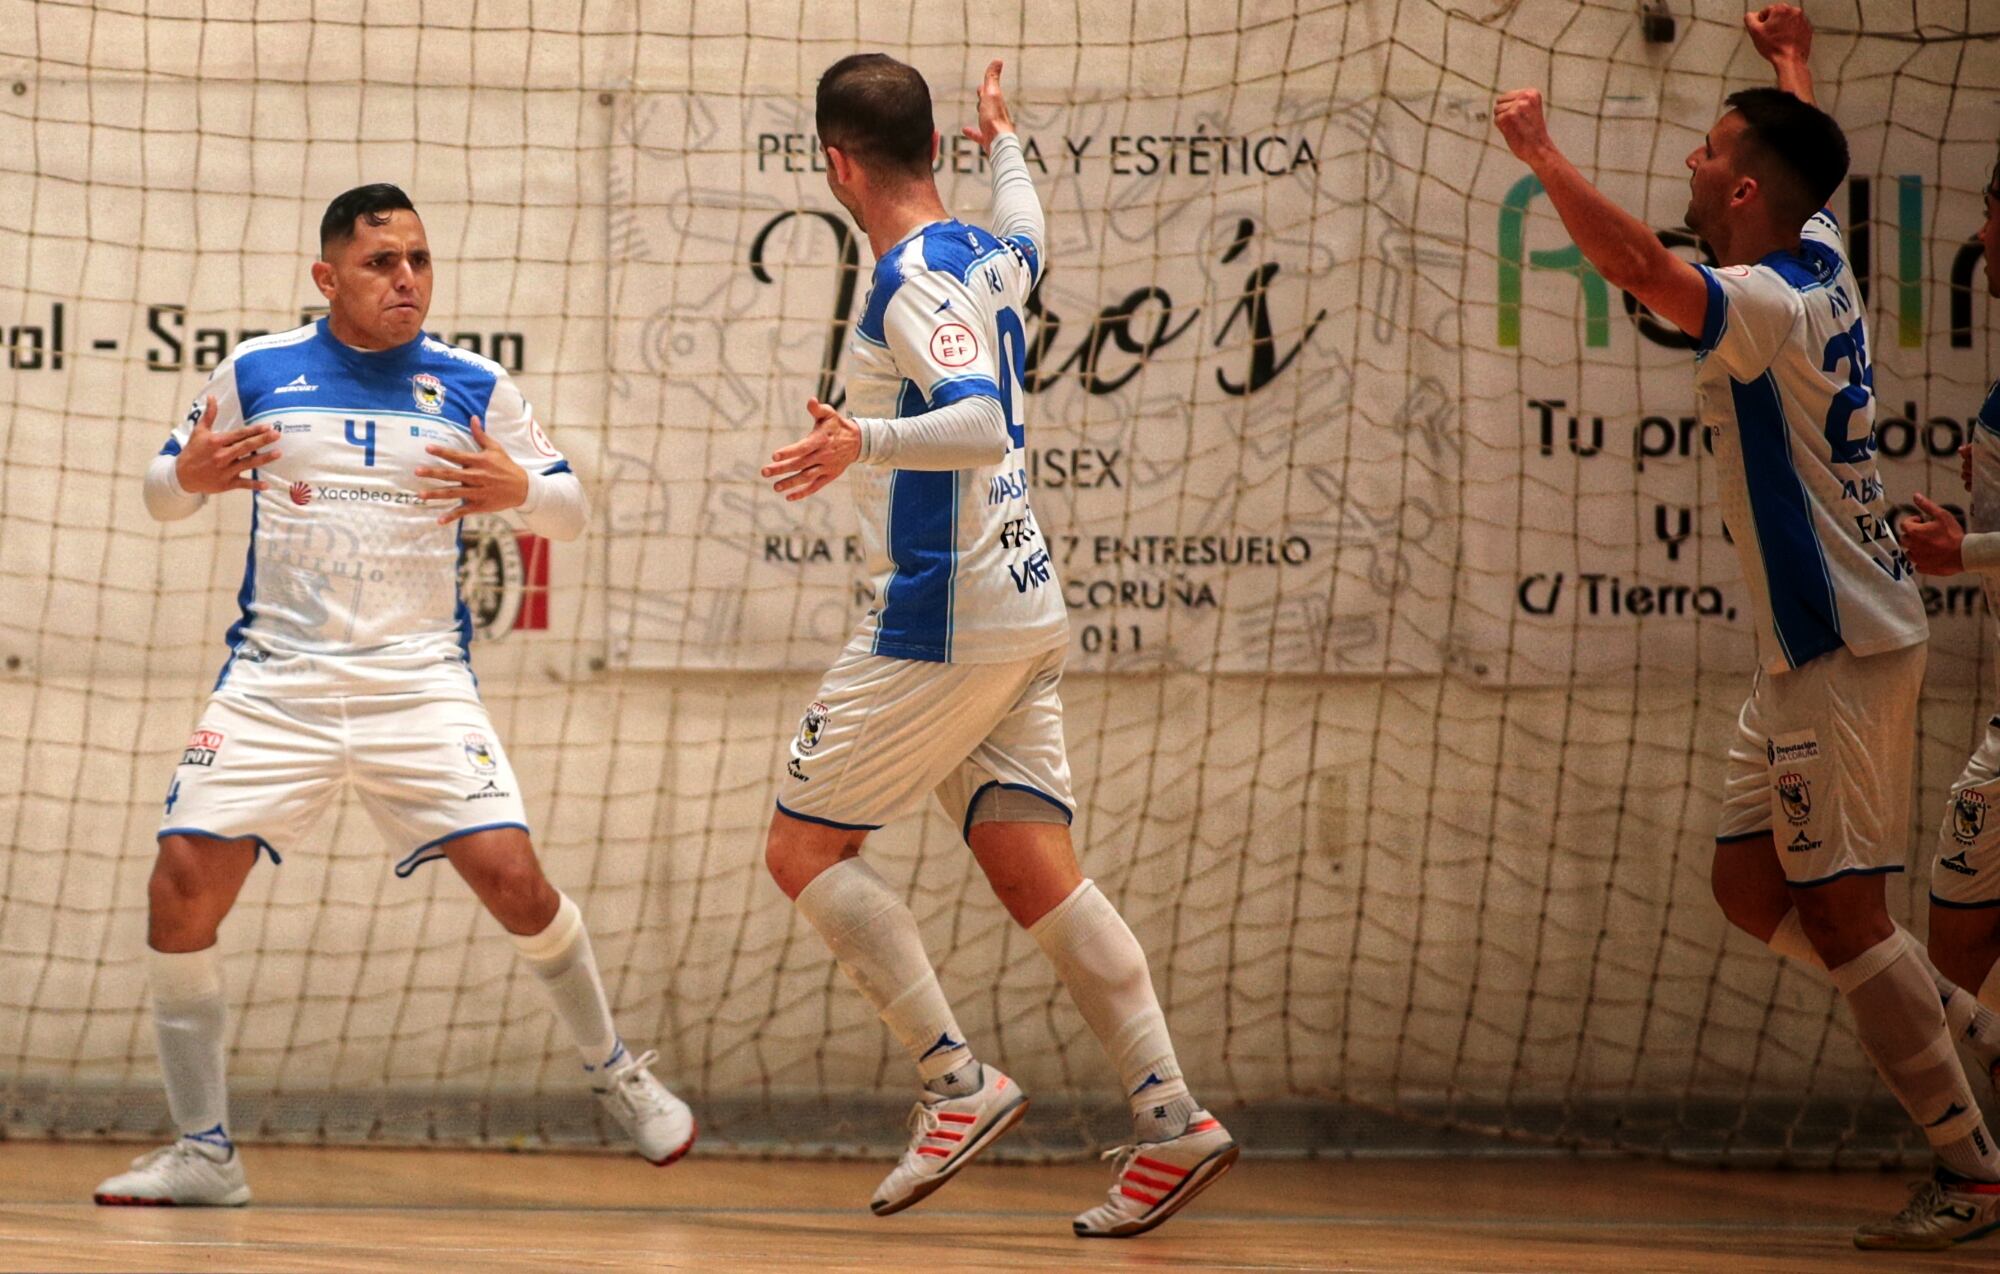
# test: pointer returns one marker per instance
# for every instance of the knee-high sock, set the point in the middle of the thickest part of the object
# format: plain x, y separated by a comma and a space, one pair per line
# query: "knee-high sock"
1104, 968
874, 937
189, 1021
1968, 1019
1902, 1028
561, 957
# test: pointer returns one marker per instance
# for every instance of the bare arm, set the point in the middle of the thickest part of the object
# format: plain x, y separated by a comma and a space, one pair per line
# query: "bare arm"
1783, 37
1624, 249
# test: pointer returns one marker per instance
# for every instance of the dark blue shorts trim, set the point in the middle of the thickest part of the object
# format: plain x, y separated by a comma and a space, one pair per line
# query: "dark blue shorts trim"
428, 852
1964, 906
965, 832
208, 835
1742, 836
1847, 871
827, 822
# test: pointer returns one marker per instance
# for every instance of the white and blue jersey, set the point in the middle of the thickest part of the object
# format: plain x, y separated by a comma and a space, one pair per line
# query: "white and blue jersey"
961, 572
1984, 516
350, 585
1785, 388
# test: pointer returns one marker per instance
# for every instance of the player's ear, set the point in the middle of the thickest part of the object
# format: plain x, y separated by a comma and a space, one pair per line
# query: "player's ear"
935, 143
322, 273
1745, 190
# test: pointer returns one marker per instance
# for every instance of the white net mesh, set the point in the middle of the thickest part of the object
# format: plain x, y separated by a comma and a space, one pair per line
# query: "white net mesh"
1397, 718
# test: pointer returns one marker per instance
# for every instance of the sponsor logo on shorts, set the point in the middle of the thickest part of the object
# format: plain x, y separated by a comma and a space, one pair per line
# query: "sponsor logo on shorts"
1968, 816
488, 793
1792, 749
479, 756
428, 390
201, 747
1802, 844
796, 770
1958, 864
813, 726
1795, 794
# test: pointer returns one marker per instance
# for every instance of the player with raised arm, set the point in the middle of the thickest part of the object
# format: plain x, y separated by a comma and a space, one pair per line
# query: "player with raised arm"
949, 685
1824, 744
362, 442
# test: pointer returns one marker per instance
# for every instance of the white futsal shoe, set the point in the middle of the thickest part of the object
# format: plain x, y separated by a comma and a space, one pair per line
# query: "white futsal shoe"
1155, 1179
945, 1134
187, 1174
1945, 1211
658, 1121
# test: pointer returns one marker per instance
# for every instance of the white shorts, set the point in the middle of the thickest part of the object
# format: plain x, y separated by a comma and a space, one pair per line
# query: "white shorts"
427, 766
1822, 761
882, 732
1966, 871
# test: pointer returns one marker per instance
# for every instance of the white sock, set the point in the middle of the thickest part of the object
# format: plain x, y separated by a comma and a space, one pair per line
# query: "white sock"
1104, 968
875, 939
190, 1017
1901, 1025
560, 956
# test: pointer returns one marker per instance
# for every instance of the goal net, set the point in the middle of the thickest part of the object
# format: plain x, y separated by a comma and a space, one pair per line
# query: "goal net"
1406, 640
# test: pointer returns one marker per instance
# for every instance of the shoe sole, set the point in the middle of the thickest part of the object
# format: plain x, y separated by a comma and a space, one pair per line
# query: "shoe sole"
1890, 1244
1199, 1178
1002, 1124
140, 1201
694, 1130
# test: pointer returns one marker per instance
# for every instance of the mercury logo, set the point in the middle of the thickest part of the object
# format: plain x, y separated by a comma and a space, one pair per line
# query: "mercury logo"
301, 493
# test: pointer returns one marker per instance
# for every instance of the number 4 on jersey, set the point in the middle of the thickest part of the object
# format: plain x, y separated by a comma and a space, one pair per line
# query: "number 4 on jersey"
364, 440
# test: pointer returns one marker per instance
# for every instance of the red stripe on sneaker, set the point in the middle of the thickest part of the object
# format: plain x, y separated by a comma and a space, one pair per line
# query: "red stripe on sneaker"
942, 1135
1205, 1125
1140, 1195
934, 1152
1155, 1165
955, 1118
1148, 1181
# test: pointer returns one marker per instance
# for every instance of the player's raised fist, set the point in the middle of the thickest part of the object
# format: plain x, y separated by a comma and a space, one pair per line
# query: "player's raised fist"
212, 462
994, 118
1780, 32
1933, 539
1518, 116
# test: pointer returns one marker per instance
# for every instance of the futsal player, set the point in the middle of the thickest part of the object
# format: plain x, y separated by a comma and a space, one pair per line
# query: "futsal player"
361, 443
1819, 771
948, 686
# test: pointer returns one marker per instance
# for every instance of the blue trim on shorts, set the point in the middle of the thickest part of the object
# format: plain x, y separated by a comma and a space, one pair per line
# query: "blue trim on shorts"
207, 835
1742, 836
827, 822
965, 833
1845, 871
1963, 906
421, 855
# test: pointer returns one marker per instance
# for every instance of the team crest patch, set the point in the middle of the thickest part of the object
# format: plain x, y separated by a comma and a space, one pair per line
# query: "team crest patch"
429, 393
954, 345
1795, 793
479, 756
201, 747
1968, 816
812, 727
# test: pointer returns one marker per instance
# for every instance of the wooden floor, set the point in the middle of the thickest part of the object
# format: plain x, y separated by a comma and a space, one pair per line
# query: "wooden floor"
437, 1211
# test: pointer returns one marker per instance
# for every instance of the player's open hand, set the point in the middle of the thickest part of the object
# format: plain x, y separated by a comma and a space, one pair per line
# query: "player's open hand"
212, 462
1780, 33
1934, 540
1518, 116
822, 455
994, 119
482, 481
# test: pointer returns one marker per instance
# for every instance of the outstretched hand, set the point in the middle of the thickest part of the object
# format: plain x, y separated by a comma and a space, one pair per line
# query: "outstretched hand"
818, 458
1935, 541
482, 481
212, 462
1780, 32
994, 118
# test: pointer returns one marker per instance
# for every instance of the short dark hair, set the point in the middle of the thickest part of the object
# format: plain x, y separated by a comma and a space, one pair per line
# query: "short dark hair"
375, 202
1799, 141
877, 109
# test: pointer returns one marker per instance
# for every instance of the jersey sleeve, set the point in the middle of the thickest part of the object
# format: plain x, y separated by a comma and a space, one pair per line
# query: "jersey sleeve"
935, 330
510, 421
1751, 311
221, 386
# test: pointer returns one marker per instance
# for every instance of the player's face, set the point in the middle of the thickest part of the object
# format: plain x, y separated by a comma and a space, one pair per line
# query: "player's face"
378, 283
1989, 239
1714, 176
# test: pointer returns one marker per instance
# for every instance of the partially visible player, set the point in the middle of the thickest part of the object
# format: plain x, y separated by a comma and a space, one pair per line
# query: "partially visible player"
949, 685
1819, 772
362, 443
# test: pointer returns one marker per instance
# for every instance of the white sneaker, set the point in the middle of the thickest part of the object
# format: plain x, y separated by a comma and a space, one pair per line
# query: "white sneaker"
658, 1121
1155, 1179
1942, 1212
945, 1134
187, 1174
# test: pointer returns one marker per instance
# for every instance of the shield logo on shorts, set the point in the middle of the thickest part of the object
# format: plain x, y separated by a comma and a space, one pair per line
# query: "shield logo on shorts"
1968, 816
811, 727
479, 756
1795, 791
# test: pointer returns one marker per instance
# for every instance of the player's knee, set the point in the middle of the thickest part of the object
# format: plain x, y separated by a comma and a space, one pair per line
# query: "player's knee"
180, 879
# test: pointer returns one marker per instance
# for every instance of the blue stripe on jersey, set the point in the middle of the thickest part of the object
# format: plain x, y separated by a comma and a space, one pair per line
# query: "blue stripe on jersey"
959, 388
1803, 609
1814, 265
1989, 412
246, 595
915, 622
1714, 318
464, 612
1026, 247
560, 466
173, 447
887, 277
